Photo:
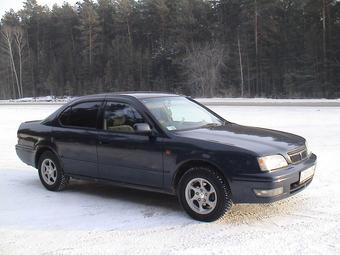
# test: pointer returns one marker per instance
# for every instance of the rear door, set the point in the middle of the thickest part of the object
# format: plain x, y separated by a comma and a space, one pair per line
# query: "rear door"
124, 155
76, 138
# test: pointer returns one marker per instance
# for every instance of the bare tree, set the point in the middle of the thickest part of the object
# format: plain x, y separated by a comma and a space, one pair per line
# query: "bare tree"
324, 21
7, 35
125, 7
163, 12
89, 26
256, 33
19, 40
203, 66
241, 66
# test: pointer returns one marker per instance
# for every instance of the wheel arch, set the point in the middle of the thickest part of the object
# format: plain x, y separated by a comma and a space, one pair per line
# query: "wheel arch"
40, 150
185, 166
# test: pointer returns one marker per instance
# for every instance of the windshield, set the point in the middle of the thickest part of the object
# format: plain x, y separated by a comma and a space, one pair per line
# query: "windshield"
179, 113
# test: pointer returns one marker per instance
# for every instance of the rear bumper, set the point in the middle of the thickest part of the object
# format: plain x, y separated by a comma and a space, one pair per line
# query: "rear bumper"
26, 154
243, 186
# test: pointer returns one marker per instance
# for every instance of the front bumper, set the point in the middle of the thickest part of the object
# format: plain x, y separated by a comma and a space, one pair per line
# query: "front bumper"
243, 186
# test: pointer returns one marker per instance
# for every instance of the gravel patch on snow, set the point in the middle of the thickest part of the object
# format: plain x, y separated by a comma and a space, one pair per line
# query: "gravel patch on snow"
92, 218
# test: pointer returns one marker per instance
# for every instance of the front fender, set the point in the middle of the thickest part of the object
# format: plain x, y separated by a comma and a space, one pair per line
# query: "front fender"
228, 161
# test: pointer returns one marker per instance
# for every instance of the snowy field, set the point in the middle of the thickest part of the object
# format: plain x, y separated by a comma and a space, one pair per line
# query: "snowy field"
217, 101
90, 218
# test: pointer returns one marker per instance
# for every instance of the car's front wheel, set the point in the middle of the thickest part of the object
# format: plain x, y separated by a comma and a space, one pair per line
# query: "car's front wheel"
204, 194
50, 172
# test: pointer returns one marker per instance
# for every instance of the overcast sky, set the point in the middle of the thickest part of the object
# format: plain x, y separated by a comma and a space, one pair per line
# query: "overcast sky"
6, 5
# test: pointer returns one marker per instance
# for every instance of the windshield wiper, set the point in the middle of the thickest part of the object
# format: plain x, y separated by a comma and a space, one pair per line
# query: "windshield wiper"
211, 125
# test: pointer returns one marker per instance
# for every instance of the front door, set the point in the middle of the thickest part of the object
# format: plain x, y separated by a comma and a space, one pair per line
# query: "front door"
125, 155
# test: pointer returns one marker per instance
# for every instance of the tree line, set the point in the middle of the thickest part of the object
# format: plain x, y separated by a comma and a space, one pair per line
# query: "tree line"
239, 48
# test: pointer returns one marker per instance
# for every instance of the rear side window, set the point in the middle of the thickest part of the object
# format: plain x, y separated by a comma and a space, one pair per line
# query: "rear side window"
81, 115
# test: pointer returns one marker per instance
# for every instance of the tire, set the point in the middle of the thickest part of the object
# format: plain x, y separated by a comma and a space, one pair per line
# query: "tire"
50, 172
214, 194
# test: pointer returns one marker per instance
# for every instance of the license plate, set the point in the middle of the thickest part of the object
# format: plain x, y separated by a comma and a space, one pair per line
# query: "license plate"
306, 174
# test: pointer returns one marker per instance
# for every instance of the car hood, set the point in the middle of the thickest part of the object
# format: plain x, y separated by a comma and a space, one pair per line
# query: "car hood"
257, 140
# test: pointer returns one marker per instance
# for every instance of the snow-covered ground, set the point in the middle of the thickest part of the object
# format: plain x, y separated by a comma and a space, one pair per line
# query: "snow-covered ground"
216, 101
263, 99
90, 218
269, 102
43, 99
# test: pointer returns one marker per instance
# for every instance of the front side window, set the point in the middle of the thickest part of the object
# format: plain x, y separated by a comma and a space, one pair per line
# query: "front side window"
179, 113
81, 115
121, 117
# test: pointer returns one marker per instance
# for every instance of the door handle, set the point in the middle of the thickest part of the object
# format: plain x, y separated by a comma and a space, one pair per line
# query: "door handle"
103, 142
112, 140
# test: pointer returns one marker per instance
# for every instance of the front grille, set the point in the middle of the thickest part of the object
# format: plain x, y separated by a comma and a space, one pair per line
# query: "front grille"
298, 155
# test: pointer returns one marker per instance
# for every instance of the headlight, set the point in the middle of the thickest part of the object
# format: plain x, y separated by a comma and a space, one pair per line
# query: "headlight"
269, 163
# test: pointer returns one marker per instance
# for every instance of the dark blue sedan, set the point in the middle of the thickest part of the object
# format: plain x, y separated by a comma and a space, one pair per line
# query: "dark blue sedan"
166, 143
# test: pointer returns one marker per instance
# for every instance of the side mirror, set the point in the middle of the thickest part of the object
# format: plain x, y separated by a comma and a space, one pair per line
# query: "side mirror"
142, 128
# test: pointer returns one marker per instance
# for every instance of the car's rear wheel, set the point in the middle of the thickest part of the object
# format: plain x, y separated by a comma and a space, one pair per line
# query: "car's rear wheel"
204, 194
50, 172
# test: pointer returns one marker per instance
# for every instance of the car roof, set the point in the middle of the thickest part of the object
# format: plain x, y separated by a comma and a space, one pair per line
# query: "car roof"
134, 94
138, 95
